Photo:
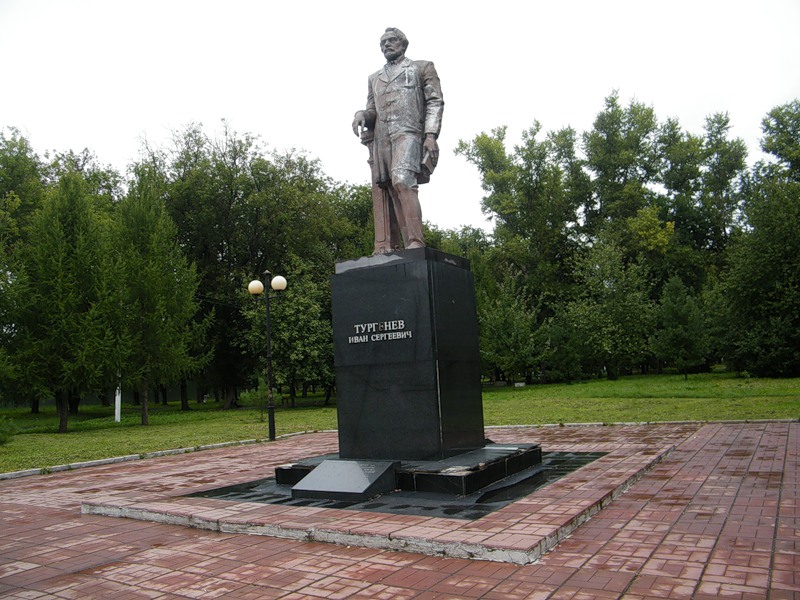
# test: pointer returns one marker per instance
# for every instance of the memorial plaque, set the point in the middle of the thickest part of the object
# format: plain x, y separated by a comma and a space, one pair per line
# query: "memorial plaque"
406, 354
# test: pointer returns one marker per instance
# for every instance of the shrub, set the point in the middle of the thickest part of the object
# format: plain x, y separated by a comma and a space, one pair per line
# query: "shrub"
7, 430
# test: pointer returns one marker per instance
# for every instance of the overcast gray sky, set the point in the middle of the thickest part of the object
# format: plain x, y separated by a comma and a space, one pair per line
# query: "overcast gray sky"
103, 74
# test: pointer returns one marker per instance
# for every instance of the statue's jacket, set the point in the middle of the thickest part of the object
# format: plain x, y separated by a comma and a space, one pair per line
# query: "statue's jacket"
403, 102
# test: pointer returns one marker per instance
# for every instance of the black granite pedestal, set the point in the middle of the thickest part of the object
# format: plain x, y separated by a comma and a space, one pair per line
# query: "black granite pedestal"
406, 354
408, 387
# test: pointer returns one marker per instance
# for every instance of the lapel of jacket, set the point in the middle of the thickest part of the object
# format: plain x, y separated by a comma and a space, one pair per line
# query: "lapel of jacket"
401, 68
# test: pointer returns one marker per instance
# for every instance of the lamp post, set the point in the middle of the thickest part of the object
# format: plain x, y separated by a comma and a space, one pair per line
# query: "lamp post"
256, 288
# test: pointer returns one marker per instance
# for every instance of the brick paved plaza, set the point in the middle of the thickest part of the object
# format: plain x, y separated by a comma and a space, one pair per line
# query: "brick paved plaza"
671, 511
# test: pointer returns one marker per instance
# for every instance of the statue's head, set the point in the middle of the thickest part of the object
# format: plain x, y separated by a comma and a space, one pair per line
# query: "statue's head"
393, 43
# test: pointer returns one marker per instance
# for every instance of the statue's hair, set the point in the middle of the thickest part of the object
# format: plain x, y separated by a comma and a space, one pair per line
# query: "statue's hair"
399, 34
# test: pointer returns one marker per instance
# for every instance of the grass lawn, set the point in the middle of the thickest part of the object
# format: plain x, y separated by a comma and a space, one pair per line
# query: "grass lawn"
94, 434
646, 398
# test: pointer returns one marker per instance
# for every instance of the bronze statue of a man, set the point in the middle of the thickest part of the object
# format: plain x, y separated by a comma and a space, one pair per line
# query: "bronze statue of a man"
400, 125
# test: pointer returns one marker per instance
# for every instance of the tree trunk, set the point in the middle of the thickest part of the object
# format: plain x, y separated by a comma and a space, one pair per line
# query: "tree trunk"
62, 407
74, 401
230, 398
143, 396
184, 395
279, 393
163, 389
35, 406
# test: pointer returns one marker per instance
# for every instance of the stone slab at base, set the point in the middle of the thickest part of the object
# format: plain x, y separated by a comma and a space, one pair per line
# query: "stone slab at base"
348, 480
470, 471
458, 475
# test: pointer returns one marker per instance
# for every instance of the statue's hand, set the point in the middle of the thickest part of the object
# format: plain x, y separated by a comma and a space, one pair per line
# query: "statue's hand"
359, 122
431, 146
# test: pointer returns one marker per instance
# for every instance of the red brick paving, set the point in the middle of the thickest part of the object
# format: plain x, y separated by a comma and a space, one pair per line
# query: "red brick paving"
718, 517
518, 533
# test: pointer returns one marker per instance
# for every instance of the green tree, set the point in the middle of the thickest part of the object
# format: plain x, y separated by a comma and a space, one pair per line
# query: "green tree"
470, 243
8, 329
303, 334
701, 179
21, 191
717, 326
157, 292
762, 284
622, 154
533, 194
8, 233
781, 129
8, 370
22, 184
508, 328
613, 314
65, 347
720, 198
241, 212
680, 339
101, 182
681, 155
215, 199
354, 231
562, 348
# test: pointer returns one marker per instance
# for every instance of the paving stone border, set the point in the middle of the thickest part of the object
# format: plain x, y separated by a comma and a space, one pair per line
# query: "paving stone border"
519, 533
